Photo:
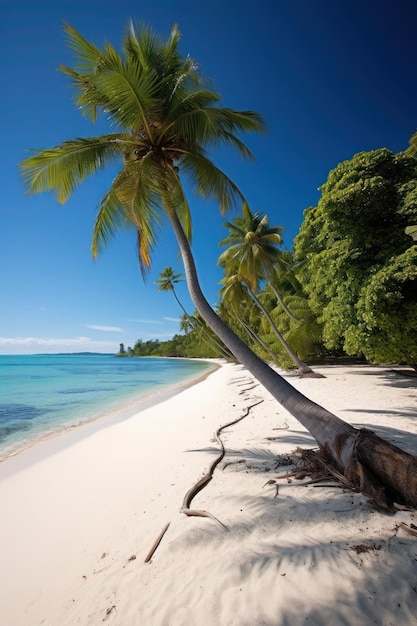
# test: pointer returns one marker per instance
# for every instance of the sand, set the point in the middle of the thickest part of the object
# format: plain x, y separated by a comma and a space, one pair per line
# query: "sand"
79, 514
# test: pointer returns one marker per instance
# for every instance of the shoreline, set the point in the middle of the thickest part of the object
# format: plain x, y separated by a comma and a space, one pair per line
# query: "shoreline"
124, 410
78, 523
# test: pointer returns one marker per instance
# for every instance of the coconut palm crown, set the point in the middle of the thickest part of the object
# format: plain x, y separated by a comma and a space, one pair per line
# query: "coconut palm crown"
163, 120
251, 246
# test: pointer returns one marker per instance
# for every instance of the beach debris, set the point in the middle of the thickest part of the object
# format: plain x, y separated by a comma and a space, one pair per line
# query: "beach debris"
410, 530
132, 558
360, 548
285, 427
203, 482
156, 543
310, 463
109, 612
272, 482
233, 463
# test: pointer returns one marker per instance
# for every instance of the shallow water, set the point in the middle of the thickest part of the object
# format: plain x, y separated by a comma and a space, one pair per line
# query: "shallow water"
42, 394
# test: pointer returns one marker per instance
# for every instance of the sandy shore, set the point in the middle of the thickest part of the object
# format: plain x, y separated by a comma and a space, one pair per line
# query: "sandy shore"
80, 513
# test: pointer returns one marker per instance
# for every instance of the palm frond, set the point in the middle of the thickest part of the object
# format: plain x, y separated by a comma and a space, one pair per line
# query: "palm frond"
110, 218
131, 202
64, 167
129, 91
214, 125
210, 182
87, 55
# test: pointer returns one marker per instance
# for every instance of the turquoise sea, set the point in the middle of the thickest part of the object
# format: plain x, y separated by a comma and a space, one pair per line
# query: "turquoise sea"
45, 394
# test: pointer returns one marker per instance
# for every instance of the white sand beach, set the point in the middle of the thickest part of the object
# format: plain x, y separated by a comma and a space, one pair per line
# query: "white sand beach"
80, 512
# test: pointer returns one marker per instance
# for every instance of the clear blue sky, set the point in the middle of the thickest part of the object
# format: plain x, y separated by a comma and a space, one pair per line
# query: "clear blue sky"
331, 79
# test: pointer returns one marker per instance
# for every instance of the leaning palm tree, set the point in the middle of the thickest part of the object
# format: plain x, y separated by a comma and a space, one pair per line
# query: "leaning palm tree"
167, 281
163, 119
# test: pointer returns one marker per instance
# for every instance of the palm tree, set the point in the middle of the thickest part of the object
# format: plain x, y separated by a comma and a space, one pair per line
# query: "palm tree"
252, 245
163, 118
167, 281
250, 255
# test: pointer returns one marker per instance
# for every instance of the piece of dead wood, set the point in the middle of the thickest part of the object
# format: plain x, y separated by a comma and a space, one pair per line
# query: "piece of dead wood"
333, 486
203, 482
408, 529
285, 427
272, 482
233, 463
360, 548
156, 543
315, 481
401, 507
109, 612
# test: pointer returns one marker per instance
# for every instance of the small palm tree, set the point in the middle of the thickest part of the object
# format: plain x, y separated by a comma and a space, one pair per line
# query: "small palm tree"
164, 119
167, 282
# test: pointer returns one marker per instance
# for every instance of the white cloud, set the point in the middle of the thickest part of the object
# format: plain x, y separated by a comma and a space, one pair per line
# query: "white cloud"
106, 329
172, 319
51, 345
146, 321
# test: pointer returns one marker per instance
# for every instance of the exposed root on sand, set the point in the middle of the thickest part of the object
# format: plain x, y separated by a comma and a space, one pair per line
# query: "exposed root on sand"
200, 484
203, 482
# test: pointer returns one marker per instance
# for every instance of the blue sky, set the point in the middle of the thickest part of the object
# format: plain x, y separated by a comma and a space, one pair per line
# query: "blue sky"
331, 79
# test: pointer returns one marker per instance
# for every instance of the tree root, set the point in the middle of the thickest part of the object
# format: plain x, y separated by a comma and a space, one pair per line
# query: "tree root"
385, 474
200, 484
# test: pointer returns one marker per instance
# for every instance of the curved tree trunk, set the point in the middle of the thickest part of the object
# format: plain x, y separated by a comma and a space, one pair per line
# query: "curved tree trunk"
282, 303
303, 368
376, 464
256, 337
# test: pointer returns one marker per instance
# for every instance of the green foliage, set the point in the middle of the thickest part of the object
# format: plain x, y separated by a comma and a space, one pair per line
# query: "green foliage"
251, 247
387, 310
352, 248
412, 149
412, 231
252, 258
188, 345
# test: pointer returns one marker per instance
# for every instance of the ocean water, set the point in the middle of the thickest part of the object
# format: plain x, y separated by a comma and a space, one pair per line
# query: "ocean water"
45, 394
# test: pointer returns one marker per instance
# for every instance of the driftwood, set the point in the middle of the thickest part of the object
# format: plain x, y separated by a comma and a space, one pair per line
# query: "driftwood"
156, 543
200, 484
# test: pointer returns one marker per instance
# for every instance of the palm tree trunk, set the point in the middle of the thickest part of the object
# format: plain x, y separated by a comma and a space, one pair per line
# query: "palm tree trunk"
354, 452
282, 303
256, 337
303, 368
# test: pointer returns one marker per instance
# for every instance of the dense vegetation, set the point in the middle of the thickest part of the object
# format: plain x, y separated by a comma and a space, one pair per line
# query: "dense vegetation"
348, 288
358, 266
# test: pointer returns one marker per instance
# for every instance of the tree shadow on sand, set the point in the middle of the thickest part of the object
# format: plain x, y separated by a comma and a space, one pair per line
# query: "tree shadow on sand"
284, 545
400, 378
